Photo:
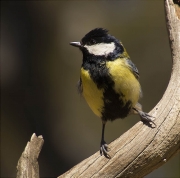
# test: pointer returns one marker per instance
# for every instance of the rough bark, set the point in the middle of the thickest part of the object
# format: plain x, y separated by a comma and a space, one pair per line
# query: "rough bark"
142, 149
28, 165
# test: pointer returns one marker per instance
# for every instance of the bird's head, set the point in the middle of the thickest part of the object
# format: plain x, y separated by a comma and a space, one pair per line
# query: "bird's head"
98, 42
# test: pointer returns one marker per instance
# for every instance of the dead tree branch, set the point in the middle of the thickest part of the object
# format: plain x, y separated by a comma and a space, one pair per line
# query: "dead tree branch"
27, 165
141, 149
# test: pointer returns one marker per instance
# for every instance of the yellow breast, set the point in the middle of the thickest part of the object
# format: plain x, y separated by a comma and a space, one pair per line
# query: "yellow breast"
125, 84
93, 95
125, 81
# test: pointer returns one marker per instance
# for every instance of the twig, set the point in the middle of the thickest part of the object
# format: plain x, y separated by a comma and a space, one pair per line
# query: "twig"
27, 165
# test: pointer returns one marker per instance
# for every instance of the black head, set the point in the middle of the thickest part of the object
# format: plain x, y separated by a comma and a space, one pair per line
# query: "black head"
99, 43
98, 35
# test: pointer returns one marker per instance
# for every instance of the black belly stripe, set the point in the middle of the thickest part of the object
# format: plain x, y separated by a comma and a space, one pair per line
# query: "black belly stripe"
114, 106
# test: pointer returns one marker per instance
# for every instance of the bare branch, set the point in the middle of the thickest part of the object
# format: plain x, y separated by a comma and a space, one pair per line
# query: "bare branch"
27, 164
141, 149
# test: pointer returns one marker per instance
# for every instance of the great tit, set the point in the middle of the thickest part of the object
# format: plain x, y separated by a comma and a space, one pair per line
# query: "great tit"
109, 80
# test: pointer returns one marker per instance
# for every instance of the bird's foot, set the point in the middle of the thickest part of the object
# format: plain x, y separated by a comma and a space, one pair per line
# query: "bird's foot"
146, 119
104, 149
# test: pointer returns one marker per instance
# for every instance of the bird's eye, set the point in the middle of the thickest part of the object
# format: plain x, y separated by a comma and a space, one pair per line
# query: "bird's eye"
92, 41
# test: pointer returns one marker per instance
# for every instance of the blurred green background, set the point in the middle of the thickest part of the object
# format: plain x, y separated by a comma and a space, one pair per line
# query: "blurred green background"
39, 72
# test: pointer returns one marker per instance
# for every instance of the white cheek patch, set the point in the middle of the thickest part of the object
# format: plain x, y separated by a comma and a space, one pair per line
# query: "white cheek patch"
101, 48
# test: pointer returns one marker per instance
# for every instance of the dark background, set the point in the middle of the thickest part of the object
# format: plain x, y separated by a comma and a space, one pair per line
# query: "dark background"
39, 72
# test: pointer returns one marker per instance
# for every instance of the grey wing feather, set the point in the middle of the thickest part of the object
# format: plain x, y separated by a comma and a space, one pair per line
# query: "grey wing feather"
133, 68
79, 86
135, 71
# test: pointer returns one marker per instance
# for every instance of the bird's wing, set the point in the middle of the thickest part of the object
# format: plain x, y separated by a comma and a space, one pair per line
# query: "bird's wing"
79, 86
133, 68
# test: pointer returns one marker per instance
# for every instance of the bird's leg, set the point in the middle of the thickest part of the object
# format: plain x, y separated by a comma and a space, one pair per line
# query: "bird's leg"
103, 145
145, 117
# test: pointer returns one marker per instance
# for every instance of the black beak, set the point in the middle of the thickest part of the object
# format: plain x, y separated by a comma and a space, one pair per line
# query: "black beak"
76, 44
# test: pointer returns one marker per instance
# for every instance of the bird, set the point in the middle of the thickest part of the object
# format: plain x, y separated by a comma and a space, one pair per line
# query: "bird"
109, 80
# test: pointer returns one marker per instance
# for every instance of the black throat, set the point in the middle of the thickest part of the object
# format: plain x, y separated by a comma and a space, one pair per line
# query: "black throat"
96, 65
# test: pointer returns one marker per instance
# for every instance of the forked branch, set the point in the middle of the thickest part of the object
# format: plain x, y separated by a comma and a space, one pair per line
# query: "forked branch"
141, 149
